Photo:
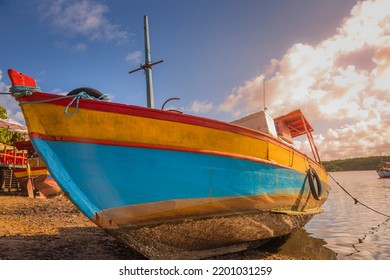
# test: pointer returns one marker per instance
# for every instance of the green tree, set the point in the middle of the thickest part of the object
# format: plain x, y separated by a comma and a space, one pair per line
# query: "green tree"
366, 163
6, 136
3, 113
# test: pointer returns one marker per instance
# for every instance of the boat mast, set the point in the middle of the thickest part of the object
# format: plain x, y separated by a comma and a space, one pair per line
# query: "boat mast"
148, 70
147, 66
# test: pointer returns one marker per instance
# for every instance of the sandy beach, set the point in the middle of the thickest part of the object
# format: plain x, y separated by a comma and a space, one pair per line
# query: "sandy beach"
54, 229
43, 229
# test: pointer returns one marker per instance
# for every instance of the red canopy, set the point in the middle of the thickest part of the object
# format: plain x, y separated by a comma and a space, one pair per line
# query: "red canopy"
296, 122
13, 126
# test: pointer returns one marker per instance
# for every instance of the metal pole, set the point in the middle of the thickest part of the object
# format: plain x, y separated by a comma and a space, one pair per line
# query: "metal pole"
265, 108
148, 68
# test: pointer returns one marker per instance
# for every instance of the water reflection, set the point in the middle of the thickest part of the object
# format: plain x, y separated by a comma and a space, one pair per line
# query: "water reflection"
349, 229
344, 230
300, 245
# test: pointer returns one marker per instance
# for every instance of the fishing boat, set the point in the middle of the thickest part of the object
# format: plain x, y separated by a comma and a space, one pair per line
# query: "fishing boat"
35, 177
171, 185
11, 159
384, 170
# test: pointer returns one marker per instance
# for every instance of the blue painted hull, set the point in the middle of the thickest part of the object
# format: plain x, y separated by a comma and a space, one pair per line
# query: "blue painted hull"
160, 202
121, 176
383, 173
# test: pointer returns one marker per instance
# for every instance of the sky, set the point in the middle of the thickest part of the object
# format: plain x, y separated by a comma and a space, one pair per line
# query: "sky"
331, 59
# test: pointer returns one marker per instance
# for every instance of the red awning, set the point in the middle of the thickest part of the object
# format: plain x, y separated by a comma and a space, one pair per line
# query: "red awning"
296, 122
13, 126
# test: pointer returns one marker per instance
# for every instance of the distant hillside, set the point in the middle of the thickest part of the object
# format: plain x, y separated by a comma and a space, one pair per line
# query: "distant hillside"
367, 163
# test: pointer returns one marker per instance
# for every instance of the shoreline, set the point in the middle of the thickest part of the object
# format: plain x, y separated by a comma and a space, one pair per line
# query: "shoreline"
54, 229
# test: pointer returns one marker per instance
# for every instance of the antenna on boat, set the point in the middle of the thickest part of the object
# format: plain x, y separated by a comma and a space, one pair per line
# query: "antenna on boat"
265, 108
147, 66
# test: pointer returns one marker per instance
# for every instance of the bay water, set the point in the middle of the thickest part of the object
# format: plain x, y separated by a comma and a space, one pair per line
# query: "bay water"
352, 231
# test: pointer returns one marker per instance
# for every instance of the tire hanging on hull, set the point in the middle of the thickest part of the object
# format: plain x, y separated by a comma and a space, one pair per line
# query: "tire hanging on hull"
90, 91
314, 183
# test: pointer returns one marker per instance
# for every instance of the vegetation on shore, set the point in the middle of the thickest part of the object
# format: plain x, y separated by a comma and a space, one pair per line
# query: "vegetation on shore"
7, 137
366, 163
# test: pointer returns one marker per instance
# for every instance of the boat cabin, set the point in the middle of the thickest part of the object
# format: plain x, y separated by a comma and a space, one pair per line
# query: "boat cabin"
285, 127
259, 121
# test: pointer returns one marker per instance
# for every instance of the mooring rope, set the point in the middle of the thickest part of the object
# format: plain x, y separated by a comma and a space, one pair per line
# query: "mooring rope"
356, 200
372, 231
23, 88
46, 100
76, 98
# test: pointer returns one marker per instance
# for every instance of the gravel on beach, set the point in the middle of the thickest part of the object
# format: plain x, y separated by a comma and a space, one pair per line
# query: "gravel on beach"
54, 229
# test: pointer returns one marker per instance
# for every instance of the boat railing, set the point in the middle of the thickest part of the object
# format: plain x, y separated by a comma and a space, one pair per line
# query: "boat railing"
11, 157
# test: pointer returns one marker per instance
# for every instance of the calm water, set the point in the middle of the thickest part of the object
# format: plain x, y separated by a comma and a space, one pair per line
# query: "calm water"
353, 231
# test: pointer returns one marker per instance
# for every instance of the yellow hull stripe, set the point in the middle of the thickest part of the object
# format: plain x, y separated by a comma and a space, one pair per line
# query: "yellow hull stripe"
143, 130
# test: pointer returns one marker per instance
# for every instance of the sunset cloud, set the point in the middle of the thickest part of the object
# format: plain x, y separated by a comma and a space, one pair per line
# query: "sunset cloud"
341, 83
346, 76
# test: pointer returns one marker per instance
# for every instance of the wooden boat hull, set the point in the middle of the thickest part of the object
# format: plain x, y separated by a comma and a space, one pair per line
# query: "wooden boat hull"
172, 185
41, 181
208, 236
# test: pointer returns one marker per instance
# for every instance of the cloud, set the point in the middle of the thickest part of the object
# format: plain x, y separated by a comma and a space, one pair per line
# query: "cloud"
83, 17
3, 86
247, 96
345, 76
134, 57
58, 91
77, 47
200, 107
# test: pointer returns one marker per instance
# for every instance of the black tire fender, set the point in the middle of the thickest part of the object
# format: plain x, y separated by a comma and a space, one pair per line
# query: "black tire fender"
314, 183
90, 91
